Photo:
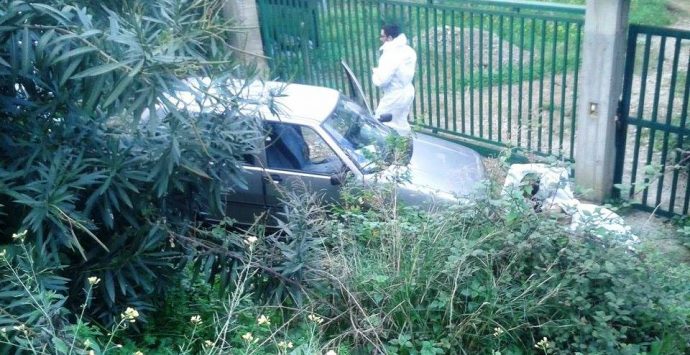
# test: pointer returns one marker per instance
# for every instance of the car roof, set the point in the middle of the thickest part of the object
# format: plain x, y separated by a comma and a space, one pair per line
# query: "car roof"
273, 100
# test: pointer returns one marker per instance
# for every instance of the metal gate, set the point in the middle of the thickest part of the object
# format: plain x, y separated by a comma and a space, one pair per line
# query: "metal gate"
653, 143
503, 73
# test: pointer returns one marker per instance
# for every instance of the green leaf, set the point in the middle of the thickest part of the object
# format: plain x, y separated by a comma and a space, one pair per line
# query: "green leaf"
26, 45
67, 73
119, 89
72, 53
60, 346
99, 70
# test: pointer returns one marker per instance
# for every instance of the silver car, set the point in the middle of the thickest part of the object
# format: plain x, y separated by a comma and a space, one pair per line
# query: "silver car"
320, 135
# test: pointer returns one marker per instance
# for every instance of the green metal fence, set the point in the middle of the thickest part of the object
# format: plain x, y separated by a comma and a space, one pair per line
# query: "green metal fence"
498, 72
653, 148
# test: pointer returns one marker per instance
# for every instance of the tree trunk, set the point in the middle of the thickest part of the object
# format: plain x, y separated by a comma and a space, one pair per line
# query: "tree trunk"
248, 37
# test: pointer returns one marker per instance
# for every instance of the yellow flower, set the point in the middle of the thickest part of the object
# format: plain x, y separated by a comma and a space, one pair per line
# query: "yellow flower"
314, 318
248, 337
130, 314
93, 280
196, 319
263, 320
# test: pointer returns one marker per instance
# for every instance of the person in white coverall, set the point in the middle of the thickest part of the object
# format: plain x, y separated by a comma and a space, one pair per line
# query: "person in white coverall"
394, 76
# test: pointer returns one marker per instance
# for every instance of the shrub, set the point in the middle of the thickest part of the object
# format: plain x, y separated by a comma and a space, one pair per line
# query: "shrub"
498, 277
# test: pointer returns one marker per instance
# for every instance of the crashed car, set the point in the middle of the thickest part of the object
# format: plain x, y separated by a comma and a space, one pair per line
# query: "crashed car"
319, 135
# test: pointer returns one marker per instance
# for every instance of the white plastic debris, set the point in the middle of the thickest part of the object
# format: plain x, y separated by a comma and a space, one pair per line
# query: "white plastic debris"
550, 190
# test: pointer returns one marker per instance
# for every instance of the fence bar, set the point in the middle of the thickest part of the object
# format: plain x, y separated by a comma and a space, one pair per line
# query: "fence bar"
655, 111
552, 94
564, 83
510, 79
491, 74
438, 97
445, 70
640, 109
669, 118
531, 85
542, 59
576, 75
500, 79
453, 70
472, 89
679, 144
462, 70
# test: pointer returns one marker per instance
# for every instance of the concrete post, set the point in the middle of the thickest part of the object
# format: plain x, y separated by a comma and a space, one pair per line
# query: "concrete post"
245, 16
601, 85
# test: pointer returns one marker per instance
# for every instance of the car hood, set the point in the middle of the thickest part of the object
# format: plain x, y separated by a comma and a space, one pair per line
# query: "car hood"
438, 169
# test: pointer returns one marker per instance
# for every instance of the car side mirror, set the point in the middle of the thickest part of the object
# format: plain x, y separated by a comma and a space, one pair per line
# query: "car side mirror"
386, 117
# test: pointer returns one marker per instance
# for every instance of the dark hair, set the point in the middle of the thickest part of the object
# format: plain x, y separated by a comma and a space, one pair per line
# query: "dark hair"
392, 30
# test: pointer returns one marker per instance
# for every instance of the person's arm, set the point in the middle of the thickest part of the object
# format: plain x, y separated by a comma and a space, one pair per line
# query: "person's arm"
383, 74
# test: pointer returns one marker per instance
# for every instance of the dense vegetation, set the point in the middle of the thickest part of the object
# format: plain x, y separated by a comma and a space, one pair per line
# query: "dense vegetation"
101, 187
102, 248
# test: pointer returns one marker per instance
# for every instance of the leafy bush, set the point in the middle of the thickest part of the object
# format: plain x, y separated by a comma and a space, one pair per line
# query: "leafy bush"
96, 162
498, 277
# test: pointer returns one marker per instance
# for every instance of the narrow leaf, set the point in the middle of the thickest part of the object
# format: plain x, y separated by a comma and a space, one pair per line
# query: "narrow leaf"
99, 70
119, 89
72, 53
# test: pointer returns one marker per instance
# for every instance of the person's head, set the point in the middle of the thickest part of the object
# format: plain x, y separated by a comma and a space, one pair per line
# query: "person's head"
388, 32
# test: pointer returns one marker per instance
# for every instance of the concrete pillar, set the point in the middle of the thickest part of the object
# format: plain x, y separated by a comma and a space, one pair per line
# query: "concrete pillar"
601, 85
245, 17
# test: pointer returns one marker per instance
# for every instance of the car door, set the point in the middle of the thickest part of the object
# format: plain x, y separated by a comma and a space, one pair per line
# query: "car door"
299, 160
246, 204
355, 88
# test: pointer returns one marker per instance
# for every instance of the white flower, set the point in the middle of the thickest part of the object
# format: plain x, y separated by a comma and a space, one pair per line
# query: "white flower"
248, 337
263, 320
285, 345
331, 352
314, 318
196, 319
130, 314
93, 280
19, 236
3, 253
498, 331
543, 344
251, 240
87, 343
138, 353
208, 343
91, 352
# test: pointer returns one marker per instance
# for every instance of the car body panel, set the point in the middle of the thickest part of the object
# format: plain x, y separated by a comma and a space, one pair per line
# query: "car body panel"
438, 170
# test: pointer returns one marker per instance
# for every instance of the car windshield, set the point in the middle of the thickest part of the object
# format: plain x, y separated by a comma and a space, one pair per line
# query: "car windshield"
363, 138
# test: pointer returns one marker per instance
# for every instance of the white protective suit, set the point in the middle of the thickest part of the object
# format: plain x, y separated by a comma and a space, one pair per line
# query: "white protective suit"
394, 76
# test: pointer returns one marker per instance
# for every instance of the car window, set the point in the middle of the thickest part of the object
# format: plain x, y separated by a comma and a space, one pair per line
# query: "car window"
299, 148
